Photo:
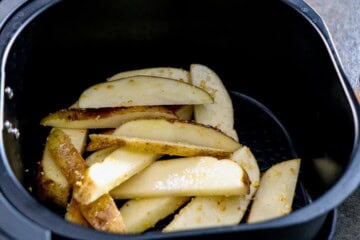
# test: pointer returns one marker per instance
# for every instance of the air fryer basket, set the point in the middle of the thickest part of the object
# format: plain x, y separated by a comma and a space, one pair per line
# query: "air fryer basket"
290, 95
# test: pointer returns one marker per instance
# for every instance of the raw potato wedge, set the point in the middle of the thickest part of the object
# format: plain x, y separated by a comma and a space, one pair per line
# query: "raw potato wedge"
104, 215
99, 156
51, 182
204, 212
142, 91
100, 141
276, 192
66, 156
164, 72
197, 176
142, 214
219, 114
75, 105
178, 132
184, 112
104, 117
74, 215
116, 168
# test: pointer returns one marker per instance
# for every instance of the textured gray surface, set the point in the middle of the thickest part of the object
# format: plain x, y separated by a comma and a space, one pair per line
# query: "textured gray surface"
343, 20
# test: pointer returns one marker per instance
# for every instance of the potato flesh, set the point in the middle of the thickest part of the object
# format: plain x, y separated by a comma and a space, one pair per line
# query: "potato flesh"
142, 214
212, 211
104, 118
99, 156
185, 112
116, 168
276, 192
149, 91
177, 132
219, 114
164, 72
52, 183
197, 176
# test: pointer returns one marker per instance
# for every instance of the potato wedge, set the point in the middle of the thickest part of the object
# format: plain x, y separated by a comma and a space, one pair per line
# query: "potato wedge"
74, 215
51, 182
184, 112
212, 211
164, 72
100, 141
75, 105
104, 117
99, 156
104, 215
276, 192
219, 114
142, 91
178, 132
116, 168
66, 157
142, 214
196, 176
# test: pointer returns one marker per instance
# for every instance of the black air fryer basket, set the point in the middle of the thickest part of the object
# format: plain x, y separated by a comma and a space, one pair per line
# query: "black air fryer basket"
290, 94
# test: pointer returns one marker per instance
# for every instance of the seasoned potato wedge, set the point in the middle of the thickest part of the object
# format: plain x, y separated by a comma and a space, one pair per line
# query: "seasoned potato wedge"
100, 141
149, 91
164, 72
104, 117
247, 161
213, 211
104, 215
99, 156
177, 131
142, 214
202, 212
276, 192
74, 215
196, 176
66, 157
219, 114
51, 182
184, 112
116, 168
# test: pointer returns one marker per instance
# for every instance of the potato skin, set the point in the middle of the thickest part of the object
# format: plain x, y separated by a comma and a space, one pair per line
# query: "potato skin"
100, 141
74, 215
104, 117
104, 215
49, 190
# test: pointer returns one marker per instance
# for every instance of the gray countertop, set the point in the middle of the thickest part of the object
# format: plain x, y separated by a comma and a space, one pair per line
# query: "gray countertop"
343, 20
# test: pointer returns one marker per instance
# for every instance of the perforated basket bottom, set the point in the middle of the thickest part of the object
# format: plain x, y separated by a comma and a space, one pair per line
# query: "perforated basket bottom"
260, 130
